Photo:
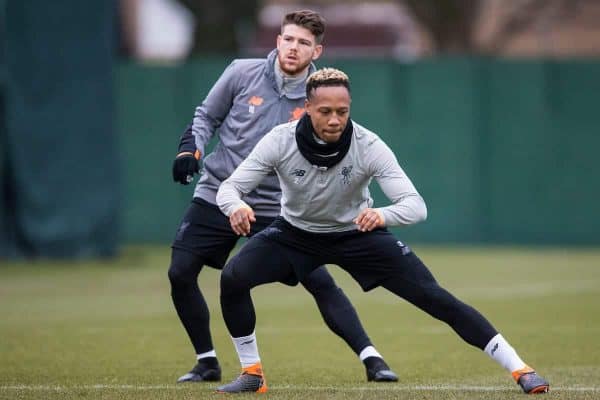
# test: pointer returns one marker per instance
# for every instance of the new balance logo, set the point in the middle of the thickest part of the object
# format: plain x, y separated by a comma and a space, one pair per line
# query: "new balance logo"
298, 172
404, 248
495, 348
299, 175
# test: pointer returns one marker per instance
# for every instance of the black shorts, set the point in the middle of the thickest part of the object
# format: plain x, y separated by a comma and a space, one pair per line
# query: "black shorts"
205, 231
370, 257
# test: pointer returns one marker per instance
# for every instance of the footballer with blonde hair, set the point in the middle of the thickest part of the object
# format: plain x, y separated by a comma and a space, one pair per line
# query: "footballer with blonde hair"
325, 162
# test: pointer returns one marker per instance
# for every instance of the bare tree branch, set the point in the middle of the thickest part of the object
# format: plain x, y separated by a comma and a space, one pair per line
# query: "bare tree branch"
522, 16
450, 22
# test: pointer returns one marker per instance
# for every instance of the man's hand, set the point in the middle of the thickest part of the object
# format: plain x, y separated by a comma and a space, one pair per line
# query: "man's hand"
185, 166
241, 219
369, 219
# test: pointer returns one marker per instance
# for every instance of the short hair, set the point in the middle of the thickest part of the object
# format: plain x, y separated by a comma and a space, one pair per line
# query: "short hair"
326, 77
308, 19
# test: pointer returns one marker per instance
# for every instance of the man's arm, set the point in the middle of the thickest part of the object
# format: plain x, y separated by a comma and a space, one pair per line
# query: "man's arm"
207, 118
185, 164
187, 142
408, 207
210, 114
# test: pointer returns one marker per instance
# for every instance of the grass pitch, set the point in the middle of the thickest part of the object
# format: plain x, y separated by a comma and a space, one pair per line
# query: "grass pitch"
108, 330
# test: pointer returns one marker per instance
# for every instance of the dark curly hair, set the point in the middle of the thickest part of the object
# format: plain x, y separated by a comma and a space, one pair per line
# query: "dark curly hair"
308, 19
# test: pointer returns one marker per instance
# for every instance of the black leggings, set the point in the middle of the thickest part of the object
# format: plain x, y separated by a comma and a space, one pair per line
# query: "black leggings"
336, 309
263, 262
188, 299
205, 238
422, 290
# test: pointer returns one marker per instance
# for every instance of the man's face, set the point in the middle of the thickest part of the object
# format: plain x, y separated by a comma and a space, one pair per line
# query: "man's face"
297, 48
329, 110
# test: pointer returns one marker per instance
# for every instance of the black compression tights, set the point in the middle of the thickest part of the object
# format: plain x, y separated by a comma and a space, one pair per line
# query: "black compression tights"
422, 290
336, 309
188, 300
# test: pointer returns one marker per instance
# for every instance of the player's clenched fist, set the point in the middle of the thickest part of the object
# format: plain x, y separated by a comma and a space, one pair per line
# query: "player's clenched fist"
185, 166
241, 220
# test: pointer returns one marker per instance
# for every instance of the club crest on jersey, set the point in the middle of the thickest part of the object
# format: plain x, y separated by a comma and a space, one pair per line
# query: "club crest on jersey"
296, 113
346, 175
298, 175
254, 102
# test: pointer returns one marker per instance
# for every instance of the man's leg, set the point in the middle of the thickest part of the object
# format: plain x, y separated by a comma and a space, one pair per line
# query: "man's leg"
418, 286
341, 317
257, 263
203, 238
377, 258
194, 314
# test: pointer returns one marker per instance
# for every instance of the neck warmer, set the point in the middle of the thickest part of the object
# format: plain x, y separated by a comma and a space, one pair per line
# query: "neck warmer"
322, 155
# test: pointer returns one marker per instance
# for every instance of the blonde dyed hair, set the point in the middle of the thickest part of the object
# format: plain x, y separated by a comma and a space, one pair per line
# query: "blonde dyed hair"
326, 77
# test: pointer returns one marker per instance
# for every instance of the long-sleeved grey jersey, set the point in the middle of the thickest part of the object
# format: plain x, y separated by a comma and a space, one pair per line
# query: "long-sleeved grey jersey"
326, 200
243, 105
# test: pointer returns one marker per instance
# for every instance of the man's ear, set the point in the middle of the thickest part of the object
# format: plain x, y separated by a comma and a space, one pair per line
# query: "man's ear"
317, 51
278, 41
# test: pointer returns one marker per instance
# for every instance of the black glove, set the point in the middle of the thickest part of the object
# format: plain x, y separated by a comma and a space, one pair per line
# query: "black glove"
184, 167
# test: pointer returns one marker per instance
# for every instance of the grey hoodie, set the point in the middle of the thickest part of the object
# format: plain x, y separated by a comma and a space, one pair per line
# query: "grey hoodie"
326, 200
243, 105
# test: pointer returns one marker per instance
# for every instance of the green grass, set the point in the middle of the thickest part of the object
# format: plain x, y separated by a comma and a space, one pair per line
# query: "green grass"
94, 330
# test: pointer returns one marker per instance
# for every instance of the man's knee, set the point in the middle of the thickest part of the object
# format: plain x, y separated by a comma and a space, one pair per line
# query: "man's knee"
231, 282
320, 281
184, 268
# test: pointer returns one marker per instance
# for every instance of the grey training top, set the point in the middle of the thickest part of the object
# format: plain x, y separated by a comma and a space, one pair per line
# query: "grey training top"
243, 105
326, 200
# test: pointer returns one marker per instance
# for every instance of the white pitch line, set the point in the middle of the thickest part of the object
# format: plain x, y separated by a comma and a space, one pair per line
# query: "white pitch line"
386, 388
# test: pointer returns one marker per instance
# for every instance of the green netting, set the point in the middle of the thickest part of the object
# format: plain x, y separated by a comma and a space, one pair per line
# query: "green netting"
502, 151
59, 132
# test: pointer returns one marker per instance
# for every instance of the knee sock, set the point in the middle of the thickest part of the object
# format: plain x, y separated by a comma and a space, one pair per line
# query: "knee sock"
504, 354
247, 349
367, 352
208, 354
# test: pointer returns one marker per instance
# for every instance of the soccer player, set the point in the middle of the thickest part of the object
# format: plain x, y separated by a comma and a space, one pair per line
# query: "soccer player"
325, 162
251, 97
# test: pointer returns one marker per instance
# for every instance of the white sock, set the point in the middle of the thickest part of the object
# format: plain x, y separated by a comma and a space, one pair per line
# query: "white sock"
211, 353
247, 349
369, 351
504, 354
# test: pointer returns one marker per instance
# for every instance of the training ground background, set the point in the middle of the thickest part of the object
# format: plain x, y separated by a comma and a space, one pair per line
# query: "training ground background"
108, 330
